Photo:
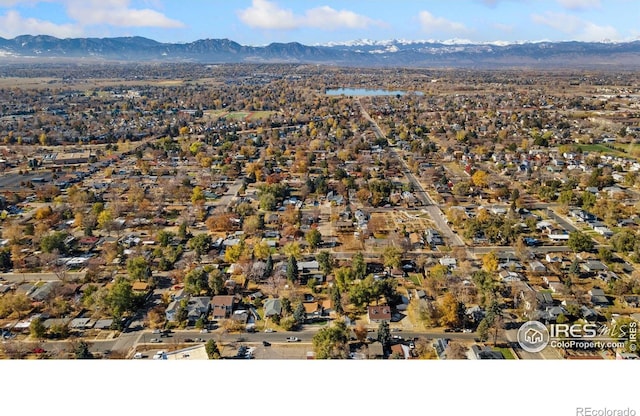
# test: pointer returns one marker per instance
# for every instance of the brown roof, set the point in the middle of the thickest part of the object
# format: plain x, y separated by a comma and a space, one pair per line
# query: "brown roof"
310, 307
221, 300
379, 312
140, 286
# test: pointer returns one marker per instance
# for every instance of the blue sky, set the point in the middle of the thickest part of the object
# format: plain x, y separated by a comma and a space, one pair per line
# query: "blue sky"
259, 22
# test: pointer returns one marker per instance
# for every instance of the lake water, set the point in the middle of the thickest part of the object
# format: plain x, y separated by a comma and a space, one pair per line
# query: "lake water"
364, 92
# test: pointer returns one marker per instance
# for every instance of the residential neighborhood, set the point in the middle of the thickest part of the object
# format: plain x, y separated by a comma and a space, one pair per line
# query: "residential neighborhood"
241, 211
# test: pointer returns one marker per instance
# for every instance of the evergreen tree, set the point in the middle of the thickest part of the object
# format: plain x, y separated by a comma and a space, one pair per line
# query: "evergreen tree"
268, 268
292, 269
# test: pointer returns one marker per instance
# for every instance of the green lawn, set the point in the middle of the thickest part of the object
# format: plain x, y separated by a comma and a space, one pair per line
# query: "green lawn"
415, 279
236, 115
601, 148
506, 352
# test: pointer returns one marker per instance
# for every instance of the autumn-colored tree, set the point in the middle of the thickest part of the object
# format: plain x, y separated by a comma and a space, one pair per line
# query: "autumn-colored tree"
452, 311
480, 178
490, 262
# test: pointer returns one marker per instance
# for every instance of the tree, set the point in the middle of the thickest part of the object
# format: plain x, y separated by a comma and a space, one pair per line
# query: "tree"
384, 335
314, 238
480, 179
196, 281
483, 330
138, 268
578, 242
268, 268
53, 242
360, 331
336, 298
358, 266
200, 244
267, 202
299, 313
120, 298
165, 237
292, 269
452, 311
490, 262
197, 196
37, 328
332, 342
82, 352
325, 262
216, 282
212, 350
392, 257
494, 320
105, 220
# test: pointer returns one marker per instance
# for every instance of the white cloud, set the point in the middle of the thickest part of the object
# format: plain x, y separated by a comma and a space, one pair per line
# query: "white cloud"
264, 14
12, 24
116, 13
575, 27
326, 17
579, 4
434, 24
105, 12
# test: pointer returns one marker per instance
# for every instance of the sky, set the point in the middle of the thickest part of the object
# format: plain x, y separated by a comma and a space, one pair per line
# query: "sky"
312, 22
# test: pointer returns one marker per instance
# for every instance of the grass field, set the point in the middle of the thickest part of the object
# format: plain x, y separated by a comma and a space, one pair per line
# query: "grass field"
506, 352
601, 148
238, 115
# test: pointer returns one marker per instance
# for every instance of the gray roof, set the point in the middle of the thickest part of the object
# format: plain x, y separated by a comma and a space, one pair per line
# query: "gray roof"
272, 307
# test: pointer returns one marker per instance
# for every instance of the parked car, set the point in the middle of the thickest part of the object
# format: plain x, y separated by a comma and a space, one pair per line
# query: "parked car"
188, 340
156, 331
269, 330
155, 340
266, 343
293, 339
204, 331
138, 355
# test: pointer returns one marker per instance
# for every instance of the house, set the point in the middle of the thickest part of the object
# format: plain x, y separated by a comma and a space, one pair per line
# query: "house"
440, 346
486, 353
140, 287
222, 306
241, 316
377, 314
598, 297
197, 307
509, 276
312, 310
272, 307
593, 266
416, 241
433, 237
537, 267
103, 324
544, 299
401, 350
450, 262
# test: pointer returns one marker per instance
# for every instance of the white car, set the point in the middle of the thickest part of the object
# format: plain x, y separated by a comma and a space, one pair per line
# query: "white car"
269, 330
293, 339
138, 355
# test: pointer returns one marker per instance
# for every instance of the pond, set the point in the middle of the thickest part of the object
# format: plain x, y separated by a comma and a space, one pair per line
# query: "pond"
364, 92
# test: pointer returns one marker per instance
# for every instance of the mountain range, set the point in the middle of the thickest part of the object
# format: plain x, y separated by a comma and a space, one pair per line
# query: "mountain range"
461, 54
